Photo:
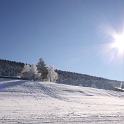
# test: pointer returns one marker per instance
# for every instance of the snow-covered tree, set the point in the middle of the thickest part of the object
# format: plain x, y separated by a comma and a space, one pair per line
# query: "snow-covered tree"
93, 85
121, 85
52, 75
26, 72
42, 69
30, 72
33, 72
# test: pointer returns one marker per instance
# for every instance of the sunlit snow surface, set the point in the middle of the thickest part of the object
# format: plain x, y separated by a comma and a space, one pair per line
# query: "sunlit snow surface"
29, 102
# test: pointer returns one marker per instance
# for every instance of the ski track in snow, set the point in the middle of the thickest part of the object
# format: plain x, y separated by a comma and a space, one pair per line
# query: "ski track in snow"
28, 102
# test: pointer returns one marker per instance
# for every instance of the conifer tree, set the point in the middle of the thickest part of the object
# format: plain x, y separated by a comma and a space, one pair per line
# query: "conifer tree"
42, 69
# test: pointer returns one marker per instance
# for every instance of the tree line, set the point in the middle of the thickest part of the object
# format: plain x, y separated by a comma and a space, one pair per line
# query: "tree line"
40, 71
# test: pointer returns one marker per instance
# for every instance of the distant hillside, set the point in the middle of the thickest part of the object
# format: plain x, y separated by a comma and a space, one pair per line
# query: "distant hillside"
12, 68
84, 80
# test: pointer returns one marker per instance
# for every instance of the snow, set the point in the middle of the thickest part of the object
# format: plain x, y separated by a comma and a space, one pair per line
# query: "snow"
29, 102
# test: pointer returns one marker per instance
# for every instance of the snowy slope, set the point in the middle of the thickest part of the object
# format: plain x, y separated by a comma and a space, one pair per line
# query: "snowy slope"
29, 102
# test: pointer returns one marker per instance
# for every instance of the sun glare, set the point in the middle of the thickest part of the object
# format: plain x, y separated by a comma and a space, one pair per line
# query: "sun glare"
119, 43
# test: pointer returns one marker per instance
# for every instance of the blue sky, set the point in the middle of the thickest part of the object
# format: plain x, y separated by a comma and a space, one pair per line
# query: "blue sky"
72, 35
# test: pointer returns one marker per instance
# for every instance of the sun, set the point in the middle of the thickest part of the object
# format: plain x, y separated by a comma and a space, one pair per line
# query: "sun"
119, 43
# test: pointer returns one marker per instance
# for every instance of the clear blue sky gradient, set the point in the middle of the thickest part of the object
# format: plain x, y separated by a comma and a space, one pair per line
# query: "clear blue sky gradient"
72, 35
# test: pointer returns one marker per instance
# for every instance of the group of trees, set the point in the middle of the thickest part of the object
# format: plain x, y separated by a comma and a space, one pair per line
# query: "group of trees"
39, 71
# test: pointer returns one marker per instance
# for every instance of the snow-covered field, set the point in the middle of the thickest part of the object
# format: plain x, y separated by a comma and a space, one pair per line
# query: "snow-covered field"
29, 102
